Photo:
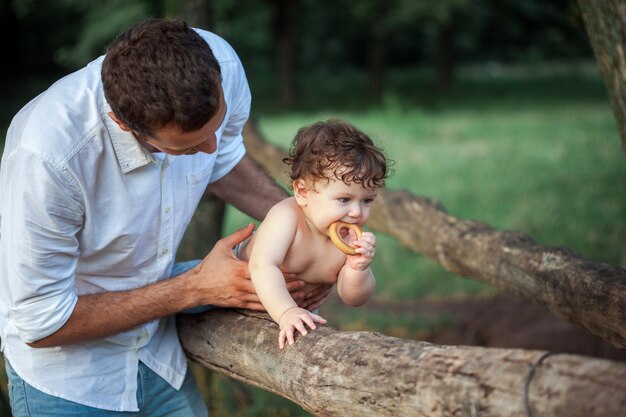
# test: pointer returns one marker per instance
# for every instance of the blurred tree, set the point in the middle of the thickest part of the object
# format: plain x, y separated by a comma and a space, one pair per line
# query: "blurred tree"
384, 18
246, 25
444, 17
370, 35
532, 30
68, 33
285, 32
101, 22
605, 25
32, 34
8, 22
197, 13
375, 14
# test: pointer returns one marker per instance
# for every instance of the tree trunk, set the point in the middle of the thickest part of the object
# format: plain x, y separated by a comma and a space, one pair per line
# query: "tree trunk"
605, 21
331, 373
445, 56
376, 59
198, 13
285, 38
590, 294
377, 50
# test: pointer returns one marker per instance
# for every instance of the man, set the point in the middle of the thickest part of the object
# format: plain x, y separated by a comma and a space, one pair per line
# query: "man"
100, 176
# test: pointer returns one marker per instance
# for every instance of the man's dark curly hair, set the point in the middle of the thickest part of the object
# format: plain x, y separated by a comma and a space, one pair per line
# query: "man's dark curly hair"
161, 72
336, 149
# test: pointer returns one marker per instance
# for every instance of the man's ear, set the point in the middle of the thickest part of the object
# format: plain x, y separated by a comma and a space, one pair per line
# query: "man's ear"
300, 192
121, 124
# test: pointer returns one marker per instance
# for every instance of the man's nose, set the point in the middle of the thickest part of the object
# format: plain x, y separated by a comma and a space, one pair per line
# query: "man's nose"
210, 146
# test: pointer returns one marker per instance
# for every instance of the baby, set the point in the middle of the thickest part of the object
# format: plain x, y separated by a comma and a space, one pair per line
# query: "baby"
336, 171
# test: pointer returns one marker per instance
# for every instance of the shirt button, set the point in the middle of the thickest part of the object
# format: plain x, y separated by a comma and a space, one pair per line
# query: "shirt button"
165, 251
167, 210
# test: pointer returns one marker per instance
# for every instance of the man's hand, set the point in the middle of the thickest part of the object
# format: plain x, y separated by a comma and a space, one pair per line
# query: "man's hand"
314, 298
225, 281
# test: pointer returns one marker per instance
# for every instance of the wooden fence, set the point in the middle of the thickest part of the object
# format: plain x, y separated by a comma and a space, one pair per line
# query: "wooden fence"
362, 374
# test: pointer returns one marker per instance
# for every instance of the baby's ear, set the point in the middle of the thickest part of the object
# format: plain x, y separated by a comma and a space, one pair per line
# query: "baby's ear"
300, 192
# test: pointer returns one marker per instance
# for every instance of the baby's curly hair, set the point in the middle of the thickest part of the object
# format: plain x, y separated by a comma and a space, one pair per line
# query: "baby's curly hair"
337, 149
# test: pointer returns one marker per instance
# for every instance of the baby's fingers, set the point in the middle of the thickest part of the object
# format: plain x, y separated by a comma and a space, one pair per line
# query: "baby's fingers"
310, 321
281, 339
366, 250
299, 325
369, 238
285, 335
317, 318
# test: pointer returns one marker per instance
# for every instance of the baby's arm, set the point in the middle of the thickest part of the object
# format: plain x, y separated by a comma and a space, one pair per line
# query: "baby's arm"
356, 283
274, 238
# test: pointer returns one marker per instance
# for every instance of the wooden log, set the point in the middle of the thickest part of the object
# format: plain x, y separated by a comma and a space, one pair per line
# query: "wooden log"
587, 293
331, 373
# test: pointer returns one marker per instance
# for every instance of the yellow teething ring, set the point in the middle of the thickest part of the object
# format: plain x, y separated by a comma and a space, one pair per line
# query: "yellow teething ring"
335, 236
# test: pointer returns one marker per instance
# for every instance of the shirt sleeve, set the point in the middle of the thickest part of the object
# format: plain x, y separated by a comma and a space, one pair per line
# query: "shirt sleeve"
41, 221
231, 148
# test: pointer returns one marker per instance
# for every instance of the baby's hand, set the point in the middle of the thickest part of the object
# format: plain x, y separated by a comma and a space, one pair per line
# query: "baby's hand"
366, 250
294, 319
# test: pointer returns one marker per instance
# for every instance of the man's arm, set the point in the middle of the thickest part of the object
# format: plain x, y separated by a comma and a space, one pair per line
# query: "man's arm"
249, 188
216, 280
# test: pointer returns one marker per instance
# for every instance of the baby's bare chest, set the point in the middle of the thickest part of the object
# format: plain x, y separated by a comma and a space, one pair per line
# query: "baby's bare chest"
314, 262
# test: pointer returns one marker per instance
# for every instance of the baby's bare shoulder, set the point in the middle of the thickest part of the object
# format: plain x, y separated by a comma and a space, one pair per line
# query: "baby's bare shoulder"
286, 207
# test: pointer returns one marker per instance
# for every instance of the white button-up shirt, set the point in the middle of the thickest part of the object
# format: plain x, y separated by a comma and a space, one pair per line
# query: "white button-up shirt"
85, 209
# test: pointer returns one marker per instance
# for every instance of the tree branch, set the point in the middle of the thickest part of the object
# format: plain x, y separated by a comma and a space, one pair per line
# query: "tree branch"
331, 373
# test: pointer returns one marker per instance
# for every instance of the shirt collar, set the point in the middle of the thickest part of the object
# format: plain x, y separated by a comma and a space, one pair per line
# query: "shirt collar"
130, 154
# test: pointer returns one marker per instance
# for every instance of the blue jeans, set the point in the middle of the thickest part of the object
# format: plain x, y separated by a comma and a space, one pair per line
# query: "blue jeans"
156, 398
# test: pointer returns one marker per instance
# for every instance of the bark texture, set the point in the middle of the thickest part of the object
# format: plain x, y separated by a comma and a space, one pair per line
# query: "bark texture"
285, 30
590, 294
331, 373
605, 21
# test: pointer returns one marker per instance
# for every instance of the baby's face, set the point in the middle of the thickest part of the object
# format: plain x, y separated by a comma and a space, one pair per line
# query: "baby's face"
333, 200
